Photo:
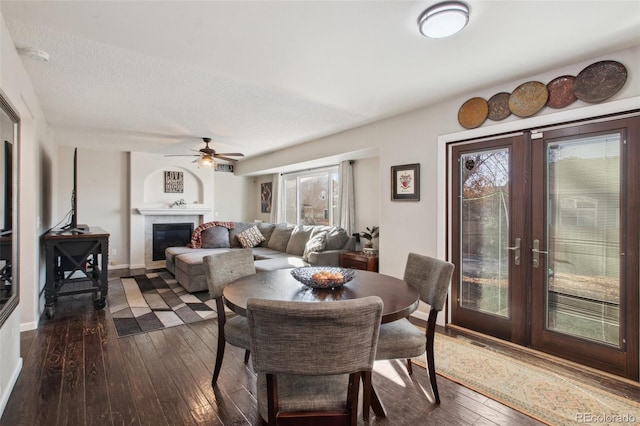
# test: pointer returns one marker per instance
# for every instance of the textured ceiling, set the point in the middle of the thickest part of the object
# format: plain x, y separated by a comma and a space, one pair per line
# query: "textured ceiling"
257, 76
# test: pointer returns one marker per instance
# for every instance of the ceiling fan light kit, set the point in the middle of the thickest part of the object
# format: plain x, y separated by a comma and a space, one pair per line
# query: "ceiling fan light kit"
208, 155
443, 19
206, 161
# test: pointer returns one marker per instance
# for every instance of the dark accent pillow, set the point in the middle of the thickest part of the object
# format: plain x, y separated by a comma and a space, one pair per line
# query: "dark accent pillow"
216, 237
280, 237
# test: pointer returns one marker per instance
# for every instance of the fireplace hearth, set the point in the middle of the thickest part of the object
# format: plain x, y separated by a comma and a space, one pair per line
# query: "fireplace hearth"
169, 235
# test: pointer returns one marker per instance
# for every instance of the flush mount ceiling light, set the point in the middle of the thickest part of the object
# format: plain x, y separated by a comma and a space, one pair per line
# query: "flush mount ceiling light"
443, 19
35, 54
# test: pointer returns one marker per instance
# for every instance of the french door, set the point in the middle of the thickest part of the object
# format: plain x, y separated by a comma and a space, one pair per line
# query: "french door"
545, 239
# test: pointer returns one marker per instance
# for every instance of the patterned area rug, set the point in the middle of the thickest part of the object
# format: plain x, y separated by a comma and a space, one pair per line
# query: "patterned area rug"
153, 301
539, 392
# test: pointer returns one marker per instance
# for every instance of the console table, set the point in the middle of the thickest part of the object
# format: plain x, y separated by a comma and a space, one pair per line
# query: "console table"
77, 259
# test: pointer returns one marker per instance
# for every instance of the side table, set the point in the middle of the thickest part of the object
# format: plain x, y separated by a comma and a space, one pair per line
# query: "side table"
357, 260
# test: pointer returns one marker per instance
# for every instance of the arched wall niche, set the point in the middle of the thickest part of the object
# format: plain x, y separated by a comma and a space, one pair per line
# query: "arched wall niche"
154, 187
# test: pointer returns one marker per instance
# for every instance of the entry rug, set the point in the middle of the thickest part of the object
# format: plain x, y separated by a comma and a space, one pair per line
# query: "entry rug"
153, 301
541, 393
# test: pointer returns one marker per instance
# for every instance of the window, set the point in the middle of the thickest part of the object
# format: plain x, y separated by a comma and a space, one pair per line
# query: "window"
311, 197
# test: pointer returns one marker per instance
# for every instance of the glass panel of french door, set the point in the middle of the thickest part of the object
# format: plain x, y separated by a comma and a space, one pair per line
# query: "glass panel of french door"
583, 237
487, 234
485, 226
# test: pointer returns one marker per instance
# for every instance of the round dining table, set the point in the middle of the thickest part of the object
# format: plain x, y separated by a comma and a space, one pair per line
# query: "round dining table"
400, 299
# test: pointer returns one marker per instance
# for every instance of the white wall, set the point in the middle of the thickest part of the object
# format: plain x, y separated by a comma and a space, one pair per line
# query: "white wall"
103, 192
366, 173
35, 170
233, 197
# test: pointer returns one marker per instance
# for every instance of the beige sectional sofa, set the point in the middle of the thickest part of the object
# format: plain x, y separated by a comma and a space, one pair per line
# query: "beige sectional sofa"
283, 246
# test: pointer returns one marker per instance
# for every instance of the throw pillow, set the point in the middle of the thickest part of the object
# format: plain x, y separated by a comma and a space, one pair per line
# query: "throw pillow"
298, 239
315, 243
266, 229
216, 237
336, 238
280, 237
238, 227
250, 237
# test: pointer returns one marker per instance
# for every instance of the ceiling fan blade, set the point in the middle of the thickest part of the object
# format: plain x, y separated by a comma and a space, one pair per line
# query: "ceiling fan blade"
222, 157
182, 155
232, 154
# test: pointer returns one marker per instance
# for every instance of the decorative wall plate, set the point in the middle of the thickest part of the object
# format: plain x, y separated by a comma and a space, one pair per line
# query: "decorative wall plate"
499, 106
528, 98
561, 91
600, 81
473, 113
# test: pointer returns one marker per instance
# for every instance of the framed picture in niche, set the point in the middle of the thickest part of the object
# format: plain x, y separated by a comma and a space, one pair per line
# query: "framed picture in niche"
405, 182
173, 182
265, 197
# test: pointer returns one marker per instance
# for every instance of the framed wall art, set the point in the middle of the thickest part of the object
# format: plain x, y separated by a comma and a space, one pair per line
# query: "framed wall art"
173, 182
265, 197
405, 182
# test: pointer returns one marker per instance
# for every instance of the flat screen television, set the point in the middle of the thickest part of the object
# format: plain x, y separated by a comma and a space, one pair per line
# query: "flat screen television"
73, 224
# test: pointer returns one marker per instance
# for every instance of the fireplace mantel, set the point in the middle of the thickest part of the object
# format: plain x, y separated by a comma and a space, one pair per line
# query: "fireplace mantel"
174, 211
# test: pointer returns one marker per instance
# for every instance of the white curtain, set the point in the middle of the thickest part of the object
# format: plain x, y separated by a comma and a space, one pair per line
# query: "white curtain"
275, 199
347, 199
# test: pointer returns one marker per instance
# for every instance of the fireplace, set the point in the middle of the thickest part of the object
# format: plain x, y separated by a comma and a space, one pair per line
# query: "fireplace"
169, 235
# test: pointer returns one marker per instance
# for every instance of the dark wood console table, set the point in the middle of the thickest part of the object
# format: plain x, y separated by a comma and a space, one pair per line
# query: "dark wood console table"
78, 260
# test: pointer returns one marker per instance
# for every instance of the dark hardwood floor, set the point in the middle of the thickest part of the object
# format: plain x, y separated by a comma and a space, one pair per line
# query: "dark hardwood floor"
78, 372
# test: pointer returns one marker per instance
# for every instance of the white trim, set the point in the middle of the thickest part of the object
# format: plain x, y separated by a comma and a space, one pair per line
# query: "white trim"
163, 211
6, 392
585, 113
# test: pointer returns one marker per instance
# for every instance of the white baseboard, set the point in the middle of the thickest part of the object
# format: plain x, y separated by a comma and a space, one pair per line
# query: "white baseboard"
6, 392
27, 326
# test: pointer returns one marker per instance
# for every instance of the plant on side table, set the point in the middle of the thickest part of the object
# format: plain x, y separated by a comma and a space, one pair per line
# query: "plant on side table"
368, 236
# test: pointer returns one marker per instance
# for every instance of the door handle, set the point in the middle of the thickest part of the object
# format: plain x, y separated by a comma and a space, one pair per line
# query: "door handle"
536, 253
516, 250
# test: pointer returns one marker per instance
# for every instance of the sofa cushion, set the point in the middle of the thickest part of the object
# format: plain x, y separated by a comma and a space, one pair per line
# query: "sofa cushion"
315, 243
336, 239
299, 237
250, 237
238, 227
279, 263
280, 237
266, 253
171, 252
266, 229
216, 237
191, 263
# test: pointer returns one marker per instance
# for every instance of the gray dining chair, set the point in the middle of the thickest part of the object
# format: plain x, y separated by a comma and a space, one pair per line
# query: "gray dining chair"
402, 340
221, 269
311, 356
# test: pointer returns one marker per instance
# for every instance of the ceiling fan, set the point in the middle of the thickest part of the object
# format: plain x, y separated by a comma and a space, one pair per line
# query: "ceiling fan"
207, 155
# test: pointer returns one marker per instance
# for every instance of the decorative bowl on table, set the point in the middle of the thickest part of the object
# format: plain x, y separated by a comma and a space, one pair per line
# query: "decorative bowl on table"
323, 276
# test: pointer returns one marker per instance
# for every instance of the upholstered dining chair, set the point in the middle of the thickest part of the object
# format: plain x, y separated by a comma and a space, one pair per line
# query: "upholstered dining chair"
310, 358
402, 340
221, 269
